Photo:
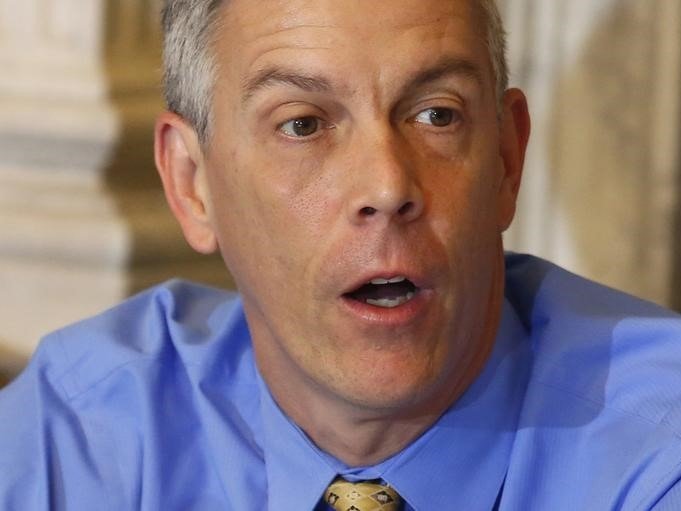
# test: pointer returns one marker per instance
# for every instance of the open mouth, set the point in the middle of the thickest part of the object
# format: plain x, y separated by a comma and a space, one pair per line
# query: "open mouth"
386, 293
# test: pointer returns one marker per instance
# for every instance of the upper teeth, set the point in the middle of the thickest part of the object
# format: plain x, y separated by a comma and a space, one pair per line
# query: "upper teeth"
393, 280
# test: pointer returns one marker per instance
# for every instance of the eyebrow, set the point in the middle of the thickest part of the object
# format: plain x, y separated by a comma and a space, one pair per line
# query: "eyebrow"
274, 75
448, 66
271, 76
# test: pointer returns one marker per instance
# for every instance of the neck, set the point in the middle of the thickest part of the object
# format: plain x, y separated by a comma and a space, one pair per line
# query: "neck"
363, 436
355, 435
368, 442
360, 435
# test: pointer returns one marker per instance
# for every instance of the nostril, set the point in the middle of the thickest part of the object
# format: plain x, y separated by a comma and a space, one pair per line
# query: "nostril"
406, 208
367, 211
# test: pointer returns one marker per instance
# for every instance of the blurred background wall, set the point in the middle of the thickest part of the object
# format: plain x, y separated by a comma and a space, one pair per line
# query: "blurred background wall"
82, 218
602, 181
83, 222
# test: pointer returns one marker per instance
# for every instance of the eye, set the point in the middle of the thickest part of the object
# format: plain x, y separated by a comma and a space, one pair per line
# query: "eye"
439, 117
300, 127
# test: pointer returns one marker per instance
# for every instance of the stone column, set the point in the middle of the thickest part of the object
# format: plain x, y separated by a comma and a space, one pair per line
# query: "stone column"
602, 180
82, 220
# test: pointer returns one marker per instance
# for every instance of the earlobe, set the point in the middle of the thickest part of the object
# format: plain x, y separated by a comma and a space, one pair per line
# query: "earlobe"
180, 163
514, 136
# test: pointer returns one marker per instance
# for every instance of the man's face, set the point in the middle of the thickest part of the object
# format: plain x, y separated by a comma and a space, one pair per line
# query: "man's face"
358, 142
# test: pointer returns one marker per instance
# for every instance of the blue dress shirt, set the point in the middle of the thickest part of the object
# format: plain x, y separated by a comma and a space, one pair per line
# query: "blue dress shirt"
157, 405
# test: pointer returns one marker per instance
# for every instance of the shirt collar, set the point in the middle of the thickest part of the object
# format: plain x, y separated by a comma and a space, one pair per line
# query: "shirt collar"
459, 463
296, 470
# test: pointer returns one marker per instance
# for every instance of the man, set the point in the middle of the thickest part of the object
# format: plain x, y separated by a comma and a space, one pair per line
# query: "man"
356, 164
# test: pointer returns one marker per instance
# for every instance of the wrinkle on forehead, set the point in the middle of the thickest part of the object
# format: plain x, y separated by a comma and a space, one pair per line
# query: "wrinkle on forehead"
271, 17
327, 37
329, 28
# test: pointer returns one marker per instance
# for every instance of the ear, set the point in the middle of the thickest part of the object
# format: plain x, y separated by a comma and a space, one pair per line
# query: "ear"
515, 133
180, 163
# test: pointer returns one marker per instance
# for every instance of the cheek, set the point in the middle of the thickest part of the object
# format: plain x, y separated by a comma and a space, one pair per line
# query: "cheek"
302, 194
271, 216
459, 200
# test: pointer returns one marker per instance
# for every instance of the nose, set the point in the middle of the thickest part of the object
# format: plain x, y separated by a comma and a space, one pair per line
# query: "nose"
386, 184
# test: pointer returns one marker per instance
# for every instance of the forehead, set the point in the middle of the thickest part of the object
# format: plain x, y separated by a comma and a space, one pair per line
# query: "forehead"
380, 33
356, 13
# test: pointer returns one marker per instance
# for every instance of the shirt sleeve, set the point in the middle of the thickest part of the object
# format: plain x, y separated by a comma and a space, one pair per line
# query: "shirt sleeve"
671, 500
21, 476
46, 450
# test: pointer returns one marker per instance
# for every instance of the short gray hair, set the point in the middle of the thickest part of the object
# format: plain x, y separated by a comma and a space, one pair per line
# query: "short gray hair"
189, 70
495, 37
190, 28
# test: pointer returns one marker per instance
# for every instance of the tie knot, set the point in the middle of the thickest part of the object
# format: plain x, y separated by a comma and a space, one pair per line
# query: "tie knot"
342, 495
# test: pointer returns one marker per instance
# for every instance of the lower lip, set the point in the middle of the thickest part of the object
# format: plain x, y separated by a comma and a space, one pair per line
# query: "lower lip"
392, 317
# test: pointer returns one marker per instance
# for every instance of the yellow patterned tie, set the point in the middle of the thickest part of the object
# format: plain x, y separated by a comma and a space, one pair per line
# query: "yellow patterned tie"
344, 496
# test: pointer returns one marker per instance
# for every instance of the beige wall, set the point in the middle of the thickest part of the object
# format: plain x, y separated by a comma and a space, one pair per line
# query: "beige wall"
602, 181
83, 223
82, 220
